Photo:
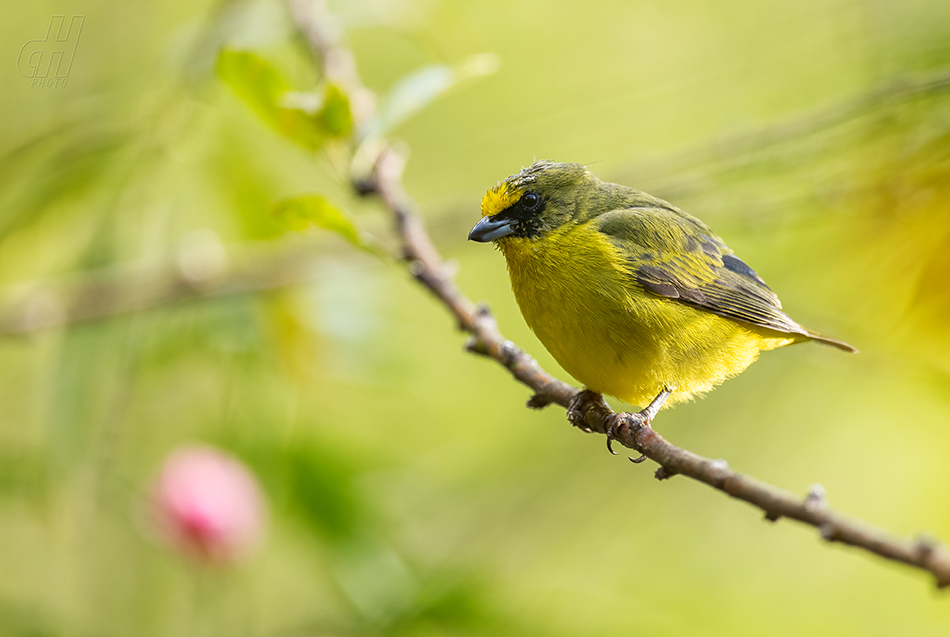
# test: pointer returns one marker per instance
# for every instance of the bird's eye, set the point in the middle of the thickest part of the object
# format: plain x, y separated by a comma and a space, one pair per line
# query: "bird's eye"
530, 200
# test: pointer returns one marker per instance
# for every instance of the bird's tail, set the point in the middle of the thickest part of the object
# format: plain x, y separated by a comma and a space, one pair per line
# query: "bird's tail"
831, 341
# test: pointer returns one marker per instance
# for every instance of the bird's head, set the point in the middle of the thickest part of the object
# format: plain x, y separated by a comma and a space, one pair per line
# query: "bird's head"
533, 202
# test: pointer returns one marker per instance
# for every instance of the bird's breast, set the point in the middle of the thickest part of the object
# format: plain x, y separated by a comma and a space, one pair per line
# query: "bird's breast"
577, 294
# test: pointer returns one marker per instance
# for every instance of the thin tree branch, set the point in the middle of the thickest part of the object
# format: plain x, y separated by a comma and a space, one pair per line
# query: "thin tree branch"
740, 147
428, 268
135, 287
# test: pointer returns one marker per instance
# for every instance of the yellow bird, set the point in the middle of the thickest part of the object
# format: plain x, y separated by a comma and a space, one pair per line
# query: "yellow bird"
632, 296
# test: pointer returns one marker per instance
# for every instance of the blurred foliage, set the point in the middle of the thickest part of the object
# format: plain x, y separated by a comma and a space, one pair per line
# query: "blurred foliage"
411, 492
418, 89
308, 119
300, 213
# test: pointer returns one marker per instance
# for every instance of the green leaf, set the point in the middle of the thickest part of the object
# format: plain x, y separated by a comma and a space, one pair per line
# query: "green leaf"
306, 211
252, 78
308, 119
336, 117
417, 90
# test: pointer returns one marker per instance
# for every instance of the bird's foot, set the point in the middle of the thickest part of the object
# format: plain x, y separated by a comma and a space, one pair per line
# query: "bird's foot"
641, 418
619, 420
583, 402
581, 405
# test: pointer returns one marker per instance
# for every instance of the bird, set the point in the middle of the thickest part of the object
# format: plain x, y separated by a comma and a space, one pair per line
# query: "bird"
632, 297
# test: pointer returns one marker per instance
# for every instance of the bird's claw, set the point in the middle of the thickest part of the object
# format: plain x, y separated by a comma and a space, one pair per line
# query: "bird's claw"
618, 420
642, 418
612, 433
580, 405
584, 401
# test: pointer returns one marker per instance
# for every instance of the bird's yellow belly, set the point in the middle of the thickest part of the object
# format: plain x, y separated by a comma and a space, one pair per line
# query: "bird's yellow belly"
618, 339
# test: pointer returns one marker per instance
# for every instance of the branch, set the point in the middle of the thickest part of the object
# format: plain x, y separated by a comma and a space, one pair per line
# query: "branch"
426, 265
202, 273
741, 148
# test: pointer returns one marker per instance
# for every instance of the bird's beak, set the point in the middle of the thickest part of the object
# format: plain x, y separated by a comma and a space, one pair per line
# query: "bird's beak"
491, 228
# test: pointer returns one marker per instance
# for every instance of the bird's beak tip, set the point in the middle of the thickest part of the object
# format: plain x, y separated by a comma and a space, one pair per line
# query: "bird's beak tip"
489, 229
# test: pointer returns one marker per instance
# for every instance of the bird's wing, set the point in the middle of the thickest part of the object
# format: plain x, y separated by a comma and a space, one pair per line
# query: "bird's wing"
674, 255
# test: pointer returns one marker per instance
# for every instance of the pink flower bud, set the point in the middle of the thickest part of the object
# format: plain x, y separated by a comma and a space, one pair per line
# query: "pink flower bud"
208, 505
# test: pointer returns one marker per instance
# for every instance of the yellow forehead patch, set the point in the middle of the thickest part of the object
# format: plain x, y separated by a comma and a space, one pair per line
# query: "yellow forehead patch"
499, 198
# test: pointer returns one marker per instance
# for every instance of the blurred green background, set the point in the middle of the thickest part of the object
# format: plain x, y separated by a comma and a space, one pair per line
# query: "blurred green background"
411, 492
